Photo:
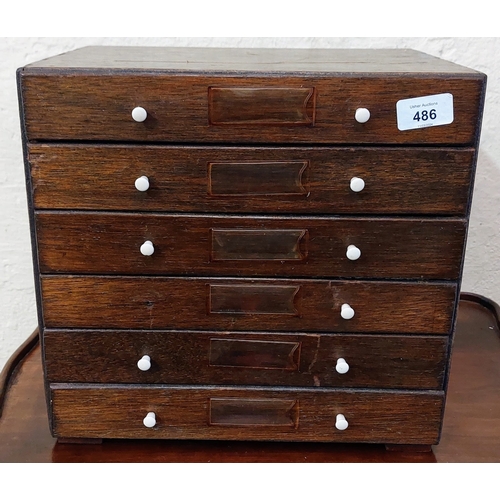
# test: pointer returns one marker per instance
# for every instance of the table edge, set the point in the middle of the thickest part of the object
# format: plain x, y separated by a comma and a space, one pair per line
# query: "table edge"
14, 362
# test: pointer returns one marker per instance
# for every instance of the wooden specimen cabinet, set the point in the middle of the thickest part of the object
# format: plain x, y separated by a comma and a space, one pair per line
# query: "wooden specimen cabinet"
250, 244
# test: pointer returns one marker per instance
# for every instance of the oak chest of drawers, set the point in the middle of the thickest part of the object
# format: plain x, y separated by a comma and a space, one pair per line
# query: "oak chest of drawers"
248, 244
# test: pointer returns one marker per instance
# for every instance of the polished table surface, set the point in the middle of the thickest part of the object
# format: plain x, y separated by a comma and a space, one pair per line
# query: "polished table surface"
471, 429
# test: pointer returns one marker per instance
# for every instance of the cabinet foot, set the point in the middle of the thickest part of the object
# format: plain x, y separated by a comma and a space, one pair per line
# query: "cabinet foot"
412, 448
79, 440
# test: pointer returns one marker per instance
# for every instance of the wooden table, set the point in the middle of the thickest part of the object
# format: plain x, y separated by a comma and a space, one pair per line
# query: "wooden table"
471, 431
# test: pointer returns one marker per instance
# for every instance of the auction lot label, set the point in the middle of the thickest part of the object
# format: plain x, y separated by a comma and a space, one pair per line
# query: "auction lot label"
427, 111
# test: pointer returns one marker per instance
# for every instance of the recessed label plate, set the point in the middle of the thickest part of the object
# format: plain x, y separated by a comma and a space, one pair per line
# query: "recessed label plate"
427, 111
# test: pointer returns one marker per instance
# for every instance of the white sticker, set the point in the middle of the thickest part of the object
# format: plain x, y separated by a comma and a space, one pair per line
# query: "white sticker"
428, 111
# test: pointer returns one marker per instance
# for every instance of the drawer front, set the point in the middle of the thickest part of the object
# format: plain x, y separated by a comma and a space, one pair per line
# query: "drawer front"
109, 243
246, 414
189, 357
252, 180
239, 305
184, 108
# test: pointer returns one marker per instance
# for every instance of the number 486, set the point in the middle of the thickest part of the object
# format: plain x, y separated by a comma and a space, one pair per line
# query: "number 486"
425, 115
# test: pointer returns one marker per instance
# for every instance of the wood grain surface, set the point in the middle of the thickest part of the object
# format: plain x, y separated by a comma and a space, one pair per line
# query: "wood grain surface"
184, 413
246, 358
85, 106
185, 303
470, 433
109, 243
251, 180
242, 305
248, 60
7, 372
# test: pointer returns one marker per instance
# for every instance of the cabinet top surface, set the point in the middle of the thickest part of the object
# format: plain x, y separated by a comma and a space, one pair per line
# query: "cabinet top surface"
248, 60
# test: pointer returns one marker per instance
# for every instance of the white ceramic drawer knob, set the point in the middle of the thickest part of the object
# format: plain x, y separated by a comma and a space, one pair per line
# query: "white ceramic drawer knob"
144, 364
346, 311
362, 115
341, 423
353, 252
357, 184
150, 419
139, 114
142, 183
147, 248
342, 367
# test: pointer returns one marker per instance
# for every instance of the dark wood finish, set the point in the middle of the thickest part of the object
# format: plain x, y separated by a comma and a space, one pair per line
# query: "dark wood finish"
183, 413
238, 243
252, 412
109, 243
171, 303
189, 357
493, 307
13, 362
226, 136
249, 60
251, 180
78, 105
470, 433
261, 106
79, 441
258, 354
282, 299
474, 384
409, 448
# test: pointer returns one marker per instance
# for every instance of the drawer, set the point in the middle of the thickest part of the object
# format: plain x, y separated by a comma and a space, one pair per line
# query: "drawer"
399, 417
190, 357
239, 305
252, 180
80, 105
115, 243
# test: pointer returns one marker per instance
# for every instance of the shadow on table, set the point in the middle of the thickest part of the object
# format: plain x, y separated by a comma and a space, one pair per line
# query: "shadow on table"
231, 452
